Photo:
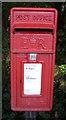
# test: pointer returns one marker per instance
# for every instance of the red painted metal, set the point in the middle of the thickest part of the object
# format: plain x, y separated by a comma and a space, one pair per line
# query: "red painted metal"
32, 30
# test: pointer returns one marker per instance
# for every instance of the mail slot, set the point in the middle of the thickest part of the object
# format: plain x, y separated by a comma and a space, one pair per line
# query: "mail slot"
32, 49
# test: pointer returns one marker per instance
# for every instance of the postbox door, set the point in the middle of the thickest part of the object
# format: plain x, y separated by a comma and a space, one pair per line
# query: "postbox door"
31, 100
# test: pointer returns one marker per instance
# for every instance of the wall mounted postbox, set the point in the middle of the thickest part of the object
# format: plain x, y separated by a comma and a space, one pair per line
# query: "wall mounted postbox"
33, 44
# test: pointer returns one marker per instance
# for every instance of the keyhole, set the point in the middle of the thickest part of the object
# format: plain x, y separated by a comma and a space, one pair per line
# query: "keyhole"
20, 81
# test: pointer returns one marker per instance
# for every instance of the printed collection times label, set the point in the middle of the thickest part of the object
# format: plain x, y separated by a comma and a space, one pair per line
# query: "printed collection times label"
32, 78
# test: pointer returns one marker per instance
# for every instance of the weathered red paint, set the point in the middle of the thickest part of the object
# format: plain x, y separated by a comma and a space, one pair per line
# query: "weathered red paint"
37, 35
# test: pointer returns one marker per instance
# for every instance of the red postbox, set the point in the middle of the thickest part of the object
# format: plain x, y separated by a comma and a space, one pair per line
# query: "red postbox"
33, 44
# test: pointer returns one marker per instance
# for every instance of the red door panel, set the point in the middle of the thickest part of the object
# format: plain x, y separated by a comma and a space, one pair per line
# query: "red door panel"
33, 102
